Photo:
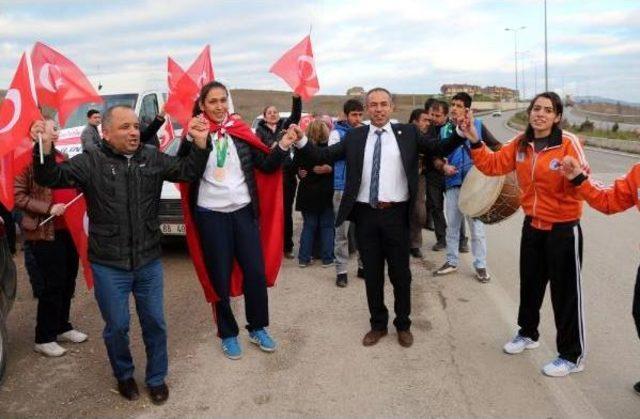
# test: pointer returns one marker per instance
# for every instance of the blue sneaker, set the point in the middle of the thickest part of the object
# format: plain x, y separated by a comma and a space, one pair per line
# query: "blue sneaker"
231, 348
262, 338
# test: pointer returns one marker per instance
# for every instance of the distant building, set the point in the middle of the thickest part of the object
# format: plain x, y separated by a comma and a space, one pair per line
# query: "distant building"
356, 91
452, 89
500, 93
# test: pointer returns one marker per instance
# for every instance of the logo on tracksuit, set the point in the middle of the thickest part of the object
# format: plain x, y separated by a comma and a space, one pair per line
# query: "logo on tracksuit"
554, 164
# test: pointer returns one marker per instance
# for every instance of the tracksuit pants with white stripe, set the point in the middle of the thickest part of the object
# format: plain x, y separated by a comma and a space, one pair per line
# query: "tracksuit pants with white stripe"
553, 256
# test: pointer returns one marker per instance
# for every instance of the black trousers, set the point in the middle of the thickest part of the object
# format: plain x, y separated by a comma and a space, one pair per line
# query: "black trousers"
289, 193
636, 303
553, 256
58, 262
435, 207
383, 235
227, 237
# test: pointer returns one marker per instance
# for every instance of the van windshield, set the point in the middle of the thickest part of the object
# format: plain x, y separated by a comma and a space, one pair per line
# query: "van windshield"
79, 116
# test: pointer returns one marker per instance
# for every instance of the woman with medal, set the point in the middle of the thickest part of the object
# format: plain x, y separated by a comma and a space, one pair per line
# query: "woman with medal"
228, 218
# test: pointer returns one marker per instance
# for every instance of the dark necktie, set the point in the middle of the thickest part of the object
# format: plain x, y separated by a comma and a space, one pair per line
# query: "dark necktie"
375, 170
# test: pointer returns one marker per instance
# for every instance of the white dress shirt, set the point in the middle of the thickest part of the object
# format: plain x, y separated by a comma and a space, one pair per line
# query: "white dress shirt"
393, 185
229, 194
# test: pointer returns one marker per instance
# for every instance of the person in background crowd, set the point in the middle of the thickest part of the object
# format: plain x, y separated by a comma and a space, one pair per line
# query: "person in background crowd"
122, 180
551, 244
425, 165
458, 165
269, 129
353, 111
53, 251
434, 174
315, 201
420, 118
90, 136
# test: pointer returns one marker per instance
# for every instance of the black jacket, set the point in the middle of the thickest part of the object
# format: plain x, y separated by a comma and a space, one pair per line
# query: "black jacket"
148, 133
269, 137
410, 143
250, 160
123, 196
315, 192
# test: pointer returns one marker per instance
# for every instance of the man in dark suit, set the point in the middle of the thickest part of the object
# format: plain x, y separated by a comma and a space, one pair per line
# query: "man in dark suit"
381, 186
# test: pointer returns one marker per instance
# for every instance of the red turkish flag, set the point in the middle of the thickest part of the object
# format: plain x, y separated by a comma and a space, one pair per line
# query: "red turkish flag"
18, 110
298, 69
201, 71
60, 84
183, 92
75, 216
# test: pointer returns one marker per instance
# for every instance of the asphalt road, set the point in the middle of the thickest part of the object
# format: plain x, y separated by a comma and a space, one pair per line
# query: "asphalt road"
455, 368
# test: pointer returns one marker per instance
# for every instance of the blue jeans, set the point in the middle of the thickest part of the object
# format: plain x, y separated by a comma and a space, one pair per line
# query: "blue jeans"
454, 219
312, 222
112, 289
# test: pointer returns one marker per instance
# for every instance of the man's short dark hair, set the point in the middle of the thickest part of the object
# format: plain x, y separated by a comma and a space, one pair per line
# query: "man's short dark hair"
415, 114
377, 89
429, 102
352, 105
440, 104
108, 115
464, 98
92, 112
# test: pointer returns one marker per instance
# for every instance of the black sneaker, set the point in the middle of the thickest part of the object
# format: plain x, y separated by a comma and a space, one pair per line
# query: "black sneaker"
341, 280
361, 273
482, 275
416, 253
445, 269
439, 246
128, 389
636, 387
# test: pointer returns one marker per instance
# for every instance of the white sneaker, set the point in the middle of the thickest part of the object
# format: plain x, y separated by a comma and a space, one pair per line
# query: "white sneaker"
73, 336
49, 349
560, 367
519, 344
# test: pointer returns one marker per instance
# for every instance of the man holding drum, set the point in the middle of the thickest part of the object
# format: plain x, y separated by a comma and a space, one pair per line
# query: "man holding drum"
551, 244
458, 165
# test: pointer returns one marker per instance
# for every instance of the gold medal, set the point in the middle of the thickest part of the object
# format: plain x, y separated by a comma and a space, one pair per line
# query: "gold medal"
219, 174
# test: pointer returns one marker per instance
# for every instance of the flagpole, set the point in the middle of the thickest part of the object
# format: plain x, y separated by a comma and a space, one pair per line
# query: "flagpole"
67, 205
32, 85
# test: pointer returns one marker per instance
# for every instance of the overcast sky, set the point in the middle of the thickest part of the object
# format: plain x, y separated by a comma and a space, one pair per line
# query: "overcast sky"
407, 46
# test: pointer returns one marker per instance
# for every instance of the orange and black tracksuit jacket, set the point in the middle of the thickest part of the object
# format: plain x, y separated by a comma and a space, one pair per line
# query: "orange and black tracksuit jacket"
551, 243
546, 195
622, 195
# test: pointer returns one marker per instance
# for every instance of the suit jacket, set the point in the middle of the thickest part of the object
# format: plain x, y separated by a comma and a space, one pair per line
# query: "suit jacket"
351, 149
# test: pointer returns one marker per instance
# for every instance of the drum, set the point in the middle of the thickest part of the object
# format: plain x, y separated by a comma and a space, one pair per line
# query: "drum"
490, 199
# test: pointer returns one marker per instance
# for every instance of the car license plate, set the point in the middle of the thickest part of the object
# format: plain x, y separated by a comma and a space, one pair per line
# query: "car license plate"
173, 229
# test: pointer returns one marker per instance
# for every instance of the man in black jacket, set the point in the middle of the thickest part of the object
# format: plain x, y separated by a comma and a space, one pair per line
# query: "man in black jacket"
121, 181
268, 130
381, 186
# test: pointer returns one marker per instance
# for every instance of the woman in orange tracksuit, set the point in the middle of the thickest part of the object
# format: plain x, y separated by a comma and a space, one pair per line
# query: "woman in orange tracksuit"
624, 194
551, 244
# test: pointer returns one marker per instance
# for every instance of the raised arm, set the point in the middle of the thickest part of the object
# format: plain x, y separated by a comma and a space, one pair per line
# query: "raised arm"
296, 111
618, 197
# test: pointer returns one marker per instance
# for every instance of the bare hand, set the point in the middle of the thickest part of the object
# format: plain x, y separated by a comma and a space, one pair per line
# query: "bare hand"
162, 112
57, 209
322, 170
198, 129
468, 127
302, 173
571, 167
36, 128
449, 170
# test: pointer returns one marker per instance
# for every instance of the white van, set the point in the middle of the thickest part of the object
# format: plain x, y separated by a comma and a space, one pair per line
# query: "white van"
146, 104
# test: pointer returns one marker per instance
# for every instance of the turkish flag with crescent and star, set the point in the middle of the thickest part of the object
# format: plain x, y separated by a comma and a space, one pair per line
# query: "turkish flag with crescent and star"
184, 86
297, 67
75, 217
17, 112
60, 84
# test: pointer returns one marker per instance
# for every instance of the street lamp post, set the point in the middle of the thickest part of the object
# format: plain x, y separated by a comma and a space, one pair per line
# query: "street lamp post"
515, 54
